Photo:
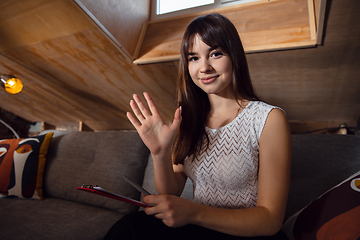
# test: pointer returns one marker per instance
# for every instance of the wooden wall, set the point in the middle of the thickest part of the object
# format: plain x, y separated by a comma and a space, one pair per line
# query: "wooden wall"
263, 25
74, 74
319, 87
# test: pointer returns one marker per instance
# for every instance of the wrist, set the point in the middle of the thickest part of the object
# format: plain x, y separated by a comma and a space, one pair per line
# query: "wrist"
161, 156
197, 214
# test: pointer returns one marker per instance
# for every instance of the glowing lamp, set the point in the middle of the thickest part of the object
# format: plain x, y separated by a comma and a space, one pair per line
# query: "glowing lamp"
11, 84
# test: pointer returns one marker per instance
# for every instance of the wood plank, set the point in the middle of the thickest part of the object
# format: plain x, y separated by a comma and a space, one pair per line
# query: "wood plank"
49, 100
312, 19
140, 40
122, 20
320, 9
28, 22
69, 83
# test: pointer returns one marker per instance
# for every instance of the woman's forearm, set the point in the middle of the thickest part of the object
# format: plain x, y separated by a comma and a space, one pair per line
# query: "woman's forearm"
167, 181
257, 221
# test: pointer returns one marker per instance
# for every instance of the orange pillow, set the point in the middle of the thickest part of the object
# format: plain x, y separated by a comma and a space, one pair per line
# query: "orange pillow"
22, 164
334, 215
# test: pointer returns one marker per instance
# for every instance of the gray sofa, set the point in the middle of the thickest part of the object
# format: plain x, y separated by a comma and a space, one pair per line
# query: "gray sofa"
76, 158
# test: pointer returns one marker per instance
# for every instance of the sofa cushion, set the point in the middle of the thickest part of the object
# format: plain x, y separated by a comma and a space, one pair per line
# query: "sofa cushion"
320, 161
96, 158
54, 219
22, 163
334, 215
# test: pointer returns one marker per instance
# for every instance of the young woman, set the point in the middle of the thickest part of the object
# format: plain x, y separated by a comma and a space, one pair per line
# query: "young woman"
235, 148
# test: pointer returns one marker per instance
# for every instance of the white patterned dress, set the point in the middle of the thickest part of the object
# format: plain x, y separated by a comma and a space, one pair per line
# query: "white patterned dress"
226, 174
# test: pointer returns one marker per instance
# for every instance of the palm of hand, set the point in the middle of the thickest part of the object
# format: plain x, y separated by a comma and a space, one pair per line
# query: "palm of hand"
155, 133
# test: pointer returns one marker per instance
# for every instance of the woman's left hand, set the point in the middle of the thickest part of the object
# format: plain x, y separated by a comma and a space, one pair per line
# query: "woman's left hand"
172, 210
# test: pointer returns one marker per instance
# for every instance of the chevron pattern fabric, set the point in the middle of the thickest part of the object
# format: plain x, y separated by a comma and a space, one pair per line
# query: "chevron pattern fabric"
226, 174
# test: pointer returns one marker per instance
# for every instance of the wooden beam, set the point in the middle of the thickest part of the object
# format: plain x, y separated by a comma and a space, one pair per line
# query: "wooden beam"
312, 21
84, 128
320, 21
47, 126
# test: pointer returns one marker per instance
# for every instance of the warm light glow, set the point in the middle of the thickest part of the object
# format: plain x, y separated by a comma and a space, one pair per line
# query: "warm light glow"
11, 84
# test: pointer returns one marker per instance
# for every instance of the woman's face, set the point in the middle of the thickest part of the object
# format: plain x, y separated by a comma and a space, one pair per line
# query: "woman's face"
210, 68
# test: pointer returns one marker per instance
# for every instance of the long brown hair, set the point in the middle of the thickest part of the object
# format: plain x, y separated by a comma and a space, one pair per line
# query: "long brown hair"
214, 30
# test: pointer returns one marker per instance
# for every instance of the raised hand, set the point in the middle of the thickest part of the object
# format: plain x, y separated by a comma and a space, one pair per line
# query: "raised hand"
155, 133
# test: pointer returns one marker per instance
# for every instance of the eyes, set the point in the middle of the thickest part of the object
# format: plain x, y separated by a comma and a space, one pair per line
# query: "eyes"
215, 54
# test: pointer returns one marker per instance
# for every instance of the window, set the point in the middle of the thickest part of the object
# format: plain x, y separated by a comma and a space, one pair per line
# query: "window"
166, 6
162, 9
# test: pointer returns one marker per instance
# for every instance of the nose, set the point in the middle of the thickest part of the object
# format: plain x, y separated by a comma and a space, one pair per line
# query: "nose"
205, 66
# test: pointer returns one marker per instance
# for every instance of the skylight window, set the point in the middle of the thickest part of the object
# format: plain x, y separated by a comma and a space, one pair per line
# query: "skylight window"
162, 9
167, 6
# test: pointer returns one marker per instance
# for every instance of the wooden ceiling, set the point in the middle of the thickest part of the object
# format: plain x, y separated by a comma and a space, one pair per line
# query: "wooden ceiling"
75, 73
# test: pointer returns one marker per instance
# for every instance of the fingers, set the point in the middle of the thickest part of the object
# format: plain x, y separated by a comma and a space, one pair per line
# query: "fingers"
177, 119
169, 209
139, 108
133, 121
151, 104
139, 117
141, 111
154, 200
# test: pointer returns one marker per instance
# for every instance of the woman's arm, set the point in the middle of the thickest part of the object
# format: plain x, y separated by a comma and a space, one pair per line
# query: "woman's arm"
169, 181
264, 219
158, 137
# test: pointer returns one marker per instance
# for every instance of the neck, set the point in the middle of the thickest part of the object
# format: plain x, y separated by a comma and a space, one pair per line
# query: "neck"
221, 104
223, 110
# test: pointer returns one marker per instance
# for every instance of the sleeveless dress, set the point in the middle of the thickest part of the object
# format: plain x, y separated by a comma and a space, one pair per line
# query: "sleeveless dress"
225, 175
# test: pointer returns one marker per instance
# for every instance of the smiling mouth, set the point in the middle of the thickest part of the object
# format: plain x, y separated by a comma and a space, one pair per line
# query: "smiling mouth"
208, 80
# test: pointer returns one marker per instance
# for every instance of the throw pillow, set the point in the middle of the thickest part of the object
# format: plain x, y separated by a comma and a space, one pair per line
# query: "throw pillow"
22, 164
334, 215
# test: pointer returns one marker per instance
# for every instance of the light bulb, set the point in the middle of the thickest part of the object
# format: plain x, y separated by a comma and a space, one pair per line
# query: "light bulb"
12, 84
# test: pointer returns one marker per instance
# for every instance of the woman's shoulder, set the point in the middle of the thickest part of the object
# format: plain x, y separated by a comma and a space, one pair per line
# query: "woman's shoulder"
259, 112
260, 107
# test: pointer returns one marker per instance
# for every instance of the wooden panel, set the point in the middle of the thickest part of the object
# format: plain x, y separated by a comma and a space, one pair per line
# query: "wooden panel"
46, 100
121, 19
28, 22
264, 25
313, 83
88, 81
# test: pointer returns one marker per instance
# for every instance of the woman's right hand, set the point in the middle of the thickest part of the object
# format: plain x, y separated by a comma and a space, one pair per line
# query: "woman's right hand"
155, 133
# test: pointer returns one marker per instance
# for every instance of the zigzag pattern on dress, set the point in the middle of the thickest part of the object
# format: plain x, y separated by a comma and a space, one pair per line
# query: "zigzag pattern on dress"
226, 174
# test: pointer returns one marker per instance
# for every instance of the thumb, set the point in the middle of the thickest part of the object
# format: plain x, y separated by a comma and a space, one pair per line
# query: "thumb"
177, 119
